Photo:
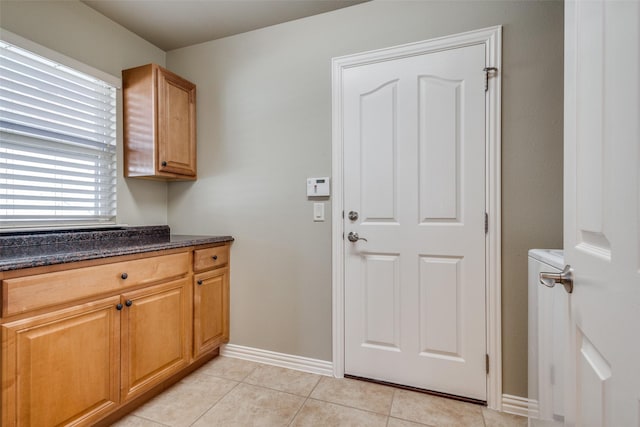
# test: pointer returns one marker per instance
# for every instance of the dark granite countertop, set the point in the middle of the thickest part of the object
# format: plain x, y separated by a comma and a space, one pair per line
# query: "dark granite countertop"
34, 249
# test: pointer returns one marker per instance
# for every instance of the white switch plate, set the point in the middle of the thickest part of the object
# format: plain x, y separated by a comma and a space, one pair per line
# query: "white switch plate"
318, 212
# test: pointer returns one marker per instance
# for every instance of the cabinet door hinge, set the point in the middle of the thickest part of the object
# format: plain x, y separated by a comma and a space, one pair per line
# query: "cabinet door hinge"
486, 223
488, 70
487, 363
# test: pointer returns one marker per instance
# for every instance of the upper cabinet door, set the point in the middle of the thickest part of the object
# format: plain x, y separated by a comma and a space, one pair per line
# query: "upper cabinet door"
159, 124
176, 124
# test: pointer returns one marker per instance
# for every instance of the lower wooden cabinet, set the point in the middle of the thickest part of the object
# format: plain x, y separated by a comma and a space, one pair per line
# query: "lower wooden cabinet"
155, 335
62, 368
210, 311
75, 365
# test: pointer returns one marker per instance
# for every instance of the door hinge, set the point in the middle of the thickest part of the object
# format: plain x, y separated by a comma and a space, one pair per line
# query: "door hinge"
342, 214
486, 359
486, 223
488, 70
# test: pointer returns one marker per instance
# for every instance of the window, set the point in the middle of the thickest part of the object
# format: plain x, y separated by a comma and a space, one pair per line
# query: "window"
57, 143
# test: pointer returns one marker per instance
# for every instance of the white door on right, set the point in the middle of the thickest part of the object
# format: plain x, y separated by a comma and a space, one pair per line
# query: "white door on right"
602, 211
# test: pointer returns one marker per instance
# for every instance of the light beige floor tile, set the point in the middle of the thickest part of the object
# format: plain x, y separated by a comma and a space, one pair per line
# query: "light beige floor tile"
229, 368
437, 411
186, 401
397, 422
354, 393
500, 419
296, 382
248, 405
133, 421
317, 413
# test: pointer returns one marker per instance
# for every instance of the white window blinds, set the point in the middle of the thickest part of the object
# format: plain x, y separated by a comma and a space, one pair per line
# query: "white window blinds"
57, 143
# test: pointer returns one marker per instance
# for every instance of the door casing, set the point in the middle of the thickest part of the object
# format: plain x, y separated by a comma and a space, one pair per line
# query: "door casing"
492, 39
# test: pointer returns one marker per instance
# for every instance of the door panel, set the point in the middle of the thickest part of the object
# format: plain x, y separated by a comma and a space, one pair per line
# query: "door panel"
602, 211
414, 155
440, 317
439, 138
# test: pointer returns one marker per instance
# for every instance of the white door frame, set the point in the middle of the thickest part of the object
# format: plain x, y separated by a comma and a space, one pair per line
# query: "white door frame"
492, 39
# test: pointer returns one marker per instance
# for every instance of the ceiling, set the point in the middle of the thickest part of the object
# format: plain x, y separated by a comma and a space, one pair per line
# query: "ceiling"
172, 24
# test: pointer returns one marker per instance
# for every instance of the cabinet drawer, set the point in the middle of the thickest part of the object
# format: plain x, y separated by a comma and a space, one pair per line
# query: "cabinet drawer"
205, 259
27, 293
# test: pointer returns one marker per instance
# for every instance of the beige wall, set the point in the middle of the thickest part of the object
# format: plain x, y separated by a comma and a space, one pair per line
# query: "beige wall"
76, 30
264, 112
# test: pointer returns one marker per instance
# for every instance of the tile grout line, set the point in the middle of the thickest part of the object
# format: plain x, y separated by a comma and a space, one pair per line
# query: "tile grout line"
238, 382
216, 402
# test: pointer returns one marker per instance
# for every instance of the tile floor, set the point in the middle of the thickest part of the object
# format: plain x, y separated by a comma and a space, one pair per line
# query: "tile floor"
234, 392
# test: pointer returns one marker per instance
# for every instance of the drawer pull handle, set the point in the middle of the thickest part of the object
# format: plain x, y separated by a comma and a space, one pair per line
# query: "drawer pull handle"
199, 282
128, 303
119, 307
215, 257
124, 276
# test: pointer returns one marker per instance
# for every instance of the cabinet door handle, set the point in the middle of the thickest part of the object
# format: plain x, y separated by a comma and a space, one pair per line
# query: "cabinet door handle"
199, 282
215, 257
128, 303
124, 276
119, 306
164, 163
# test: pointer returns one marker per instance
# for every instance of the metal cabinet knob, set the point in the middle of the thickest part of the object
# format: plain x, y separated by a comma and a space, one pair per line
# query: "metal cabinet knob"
164, 163
124, 276
119, 307
215, 257
199, 282
353, 237
565, 278
128, 303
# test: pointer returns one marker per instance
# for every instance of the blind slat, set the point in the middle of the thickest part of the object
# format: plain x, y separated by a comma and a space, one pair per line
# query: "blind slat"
57, 143
41, 147
55, 71
51, 126
35, 78
17, 101
19, 88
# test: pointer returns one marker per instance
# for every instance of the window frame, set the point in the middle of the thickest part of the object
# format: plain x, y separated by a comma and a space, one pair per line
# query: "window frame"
115, 82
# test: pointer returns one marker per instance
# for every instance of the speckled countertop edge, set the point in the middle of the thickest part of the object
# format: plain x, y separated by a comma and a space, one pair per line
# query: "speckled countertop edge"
84, 246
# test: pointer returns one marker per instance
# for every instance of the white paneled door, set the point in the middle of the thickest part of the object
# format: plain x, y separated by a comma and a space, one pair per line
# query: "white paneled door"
414, 196
602, 211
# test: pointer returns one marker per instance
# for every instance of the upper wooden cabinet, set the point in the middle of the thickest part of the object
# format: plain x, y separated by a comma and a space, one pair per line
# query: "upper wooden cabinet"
159, 124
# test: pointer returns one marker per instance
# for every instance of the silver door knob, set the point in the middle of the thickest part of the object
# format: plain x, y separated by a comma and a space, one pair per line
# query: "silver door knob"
565, 278
353, 237
353, 215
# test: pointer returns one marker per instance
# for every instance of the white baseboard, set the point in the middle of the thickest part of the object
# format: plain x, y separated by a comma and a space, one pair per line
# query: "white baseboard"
299, 363
517, 405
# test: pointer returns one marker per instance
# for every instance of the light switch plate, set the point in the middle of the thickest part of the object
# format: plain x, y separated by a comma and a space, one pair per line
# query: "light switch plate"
318, 212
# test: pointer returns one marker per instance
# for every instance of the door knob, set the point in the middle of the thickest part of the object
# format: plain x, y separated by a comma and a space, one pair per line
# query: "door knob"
353, 215
565, 278
353, 237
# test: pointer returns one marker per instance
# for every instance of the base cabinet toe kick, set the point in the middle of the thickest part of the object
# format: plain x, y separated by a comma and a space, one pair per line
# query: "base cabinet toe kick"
83, 343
